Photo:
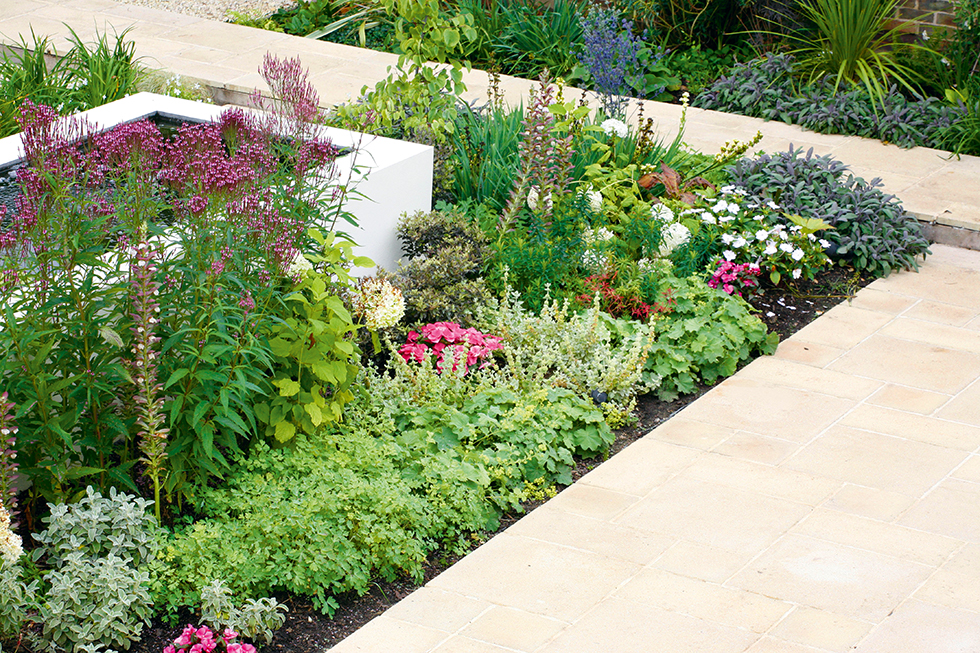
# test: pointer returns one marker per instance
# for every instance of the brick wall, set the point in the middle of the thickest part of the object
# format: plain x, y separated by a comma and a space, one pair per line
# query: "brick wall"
929, 15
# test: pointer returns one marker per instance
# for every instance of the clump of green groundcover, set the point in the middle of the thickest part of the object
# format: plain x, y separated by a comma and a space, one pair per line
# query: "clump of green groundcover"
423, 460
871, 230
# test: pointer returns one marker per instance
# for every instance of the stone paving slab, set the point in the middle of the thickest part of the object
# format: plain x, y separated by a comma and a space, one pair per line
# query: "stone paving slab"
820, 500
224, 57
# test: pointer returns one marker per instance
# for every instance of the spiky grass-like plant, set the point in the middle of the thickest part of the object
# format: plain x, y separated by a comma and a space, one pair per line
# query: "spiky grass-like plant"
854, 42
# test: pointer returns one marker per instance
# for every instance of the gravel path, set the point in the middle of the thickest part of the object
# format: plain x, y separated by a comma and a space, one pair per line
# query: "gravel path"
214, 9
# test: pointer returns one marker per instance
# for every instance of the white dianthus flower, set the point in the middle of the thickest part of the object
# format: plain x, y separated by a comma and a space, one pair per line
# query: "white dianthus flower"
603, 234
673, 236
614, 127
761, 234
739, 242
823, 243
796, 273
797, 254
708, 218
10, 542
727, 238
787, 247
729, 255
770, 248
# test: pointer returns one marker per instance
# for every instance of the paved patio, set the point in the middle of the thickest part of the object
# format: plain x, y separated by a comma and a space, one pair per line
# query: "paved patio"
823, 499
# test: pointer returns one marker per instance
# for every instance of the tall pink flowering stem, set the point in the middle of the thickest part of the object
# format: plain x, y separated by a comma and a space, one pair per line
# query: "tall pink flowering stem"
150, 418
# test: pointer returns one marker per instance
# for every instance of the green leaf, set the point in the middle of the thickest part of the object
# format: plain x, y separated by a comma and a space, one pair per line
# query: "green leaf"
285, 431
287, 387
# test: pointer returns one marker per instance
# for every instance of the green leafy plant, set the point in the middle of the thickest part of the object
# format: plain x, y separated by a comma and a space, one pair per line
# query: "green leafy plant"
537, 36
562, 348
764, 88
97, 592
442, 280
108, 71
313, 349
416, 95
705, 337
257, 620
94, 601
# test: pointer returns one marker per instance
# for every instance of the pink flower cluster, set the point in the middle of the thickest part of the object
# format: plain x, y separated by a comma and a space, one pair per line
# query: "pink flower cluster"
202, 640
439, 335
735, 279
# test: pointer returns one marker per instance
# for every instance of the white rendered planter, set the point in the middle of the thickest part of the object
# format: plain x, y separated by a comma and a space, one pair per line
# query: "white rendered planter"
390, 177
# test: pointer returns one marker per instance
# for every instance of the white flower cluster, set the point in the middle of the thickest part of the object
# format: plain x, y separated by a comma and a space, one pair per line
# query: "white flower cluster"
594, 198
597, 236
10, 542
379, 304
752, 235
673, 236
661, 213
614, 127
299, 266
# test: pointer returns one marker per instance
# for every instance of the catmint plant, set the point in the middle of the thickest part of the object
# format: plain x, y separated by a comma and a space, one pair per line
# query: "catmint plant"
610, 52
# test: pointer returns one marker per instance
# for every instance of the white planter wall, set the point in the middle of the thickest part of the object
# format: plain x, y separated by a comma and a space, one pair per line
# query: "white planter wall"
390, 177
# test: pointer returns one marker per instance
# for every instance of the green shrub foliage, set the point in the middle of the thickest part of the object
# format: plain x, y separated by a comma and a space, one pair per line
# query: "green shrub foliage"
442, 281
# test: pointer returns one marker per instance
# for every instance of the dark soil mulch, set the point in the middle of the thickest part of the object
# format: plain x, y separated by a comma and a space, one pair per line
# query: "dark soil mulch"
784, 311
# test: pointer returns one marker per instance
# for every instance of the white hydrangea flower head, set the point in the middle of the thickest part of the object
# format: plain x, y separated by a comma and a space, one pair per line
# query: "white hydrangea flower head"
673, 236
11, 548
662, 213
379, 304
614, 127
299, 266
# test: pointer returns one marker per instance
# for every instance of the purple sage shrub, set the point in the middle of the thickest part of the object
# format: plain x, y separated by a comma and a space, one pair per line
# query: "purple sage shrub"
610, 52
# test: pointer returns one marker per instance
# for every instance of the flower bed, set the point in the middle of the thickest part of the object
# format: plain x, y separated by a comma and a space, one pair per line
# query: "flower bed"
304, 432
